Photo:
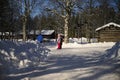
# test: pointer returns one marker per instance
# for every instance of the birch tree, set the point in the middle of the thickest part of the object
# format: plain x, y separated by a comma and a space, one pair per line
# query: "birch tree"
64, 10
27, 7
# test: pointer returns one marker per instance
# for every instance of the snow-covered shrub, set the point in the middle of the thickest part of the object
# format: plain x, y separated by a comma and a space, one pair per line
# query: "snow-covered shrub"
22, 54
78, 40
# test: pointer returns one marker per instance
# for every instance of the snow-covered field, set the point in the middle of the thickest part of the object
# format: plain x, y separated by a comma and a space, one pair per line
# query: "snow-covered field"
75, 61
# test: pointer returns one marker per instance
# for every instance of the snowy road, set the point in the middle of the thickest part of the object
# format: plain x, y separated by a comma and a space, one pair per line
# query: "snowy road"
83, 62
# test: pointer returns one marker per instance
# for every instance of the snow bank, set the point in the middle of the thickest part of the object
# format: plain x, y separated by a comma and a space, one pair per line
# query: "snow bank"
22, 54
82, 40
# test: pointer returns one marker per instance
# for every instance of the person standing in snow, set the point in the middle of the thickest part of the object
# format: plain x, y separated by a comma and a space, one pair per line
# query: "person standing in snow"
59, 41
40, 38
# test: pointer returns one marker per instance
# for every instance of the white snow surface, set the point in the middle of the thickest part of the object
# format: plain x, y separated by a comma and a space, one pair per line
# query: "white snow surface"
75, 61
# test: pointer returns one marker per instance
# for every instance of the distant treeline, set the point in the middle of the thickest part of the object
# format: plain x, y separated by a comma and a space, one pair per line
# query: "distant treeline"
84, 17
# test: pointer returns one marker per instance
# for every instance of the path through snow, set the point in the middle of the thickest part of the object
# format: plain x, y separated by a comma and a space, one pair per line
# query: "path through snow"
83, 62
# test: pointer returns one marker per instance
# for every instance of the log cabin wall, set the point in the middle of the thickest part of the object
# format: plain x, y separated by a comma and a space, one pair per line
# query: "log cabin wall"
109, 34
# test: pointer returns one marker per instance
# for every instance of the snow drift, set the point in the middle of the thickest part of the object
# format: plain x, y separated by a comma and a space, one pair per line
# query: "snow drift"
112, 53
22, 54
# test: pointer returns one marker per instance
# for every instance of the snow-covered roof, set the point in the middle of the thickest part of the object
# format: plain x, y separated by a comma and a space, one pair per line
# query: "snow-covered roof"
6, 33
36, 32
107, 25
47, 32
29, 32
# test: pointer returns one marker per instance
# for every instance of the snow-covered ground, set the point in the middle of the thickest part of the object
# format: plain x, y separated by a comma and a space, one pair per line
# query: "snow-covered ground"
75, 61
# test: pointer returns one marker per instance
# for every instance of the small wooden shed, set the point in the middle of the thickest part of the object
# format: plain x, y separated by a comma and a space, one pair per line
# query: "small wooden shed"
109, 32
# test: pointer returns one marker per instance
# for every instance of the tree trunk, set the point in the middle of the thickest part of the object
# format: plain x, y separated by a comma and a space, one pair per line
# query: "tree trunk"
24, 28
88, 33
66, 29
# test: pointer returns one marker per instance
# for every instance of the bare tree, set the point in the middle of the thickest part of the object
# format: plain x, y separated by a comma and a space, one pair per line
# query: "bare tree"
27, 6
89, 17
64, 10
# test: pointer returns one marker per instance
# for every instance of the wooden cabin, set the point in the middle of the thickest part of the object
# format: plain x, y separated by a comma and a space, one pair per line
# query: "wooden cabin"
109, 33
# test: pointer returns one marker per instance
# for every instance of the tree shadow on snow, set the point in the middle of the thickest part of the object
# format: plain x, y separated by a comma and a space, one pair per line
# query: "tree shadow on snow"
110, 58
61, 63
